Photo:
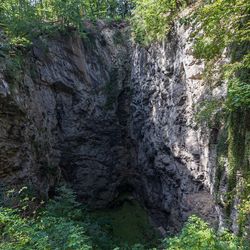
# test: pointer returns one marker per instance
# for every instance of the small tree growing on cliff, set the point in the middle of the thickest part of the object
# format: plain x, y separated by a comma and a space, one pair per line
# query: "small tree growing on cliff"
197, 235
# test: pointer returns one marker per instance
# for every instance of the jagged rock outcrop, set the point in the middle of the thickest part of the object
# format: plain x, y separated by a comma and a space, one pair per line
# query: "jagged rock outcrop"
109, 117
67, 115
176, 155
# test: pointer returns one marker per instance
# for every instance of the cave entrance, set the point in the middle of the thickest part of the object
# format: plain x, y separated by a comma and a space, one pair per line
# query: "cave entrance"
126, 220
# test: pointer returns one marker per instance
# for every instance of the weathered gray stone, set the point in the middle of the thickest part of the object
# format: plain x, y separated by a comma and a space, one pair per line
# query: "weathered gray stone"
81, 115
175, 157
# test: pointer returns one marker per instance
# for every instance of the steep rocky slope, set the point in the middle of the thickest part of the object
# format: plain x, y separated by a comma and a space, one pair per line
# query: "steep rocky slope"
176, 155
62, 118
108, 118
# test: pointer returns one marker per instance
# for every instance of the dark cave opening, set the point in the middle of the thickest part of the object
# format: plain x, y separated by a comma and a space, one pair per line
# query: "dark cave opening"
127, 219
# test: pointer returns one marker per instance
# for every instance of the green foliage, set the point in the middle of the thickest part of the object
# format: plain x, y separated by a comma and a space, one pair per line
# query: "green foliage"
222, 29
197, 235
221, 25
22, 199
236, 148
151, 20
204, 48
14, 67
64, 204
45, 232
238, 94
244, 209
65, 13
18, 19
25, 20
64, 225
111, 9
210, 112
221, 160
238, 160
56, 226
128, 223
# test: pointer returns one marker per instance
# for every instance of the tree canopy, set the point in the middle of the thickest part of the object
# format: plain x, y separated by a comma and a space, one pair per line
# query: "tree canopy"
23, 20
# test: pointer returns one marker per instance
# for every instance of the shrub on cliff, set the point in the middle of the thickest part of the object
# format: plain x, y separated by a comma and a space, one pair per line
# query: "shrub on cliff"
25, 20
151, 20
55, 226
197, 235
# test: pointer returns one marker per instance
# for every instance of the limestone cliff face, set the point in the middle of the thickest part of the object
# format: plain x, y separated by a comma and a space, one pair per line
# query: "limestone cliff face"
176, 155
66, 118
109, 117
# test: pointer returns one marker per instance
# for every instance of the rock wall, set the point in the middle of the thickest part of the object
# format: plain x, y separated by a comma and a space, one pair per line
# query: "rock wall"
109, 117
67, 115
176, 155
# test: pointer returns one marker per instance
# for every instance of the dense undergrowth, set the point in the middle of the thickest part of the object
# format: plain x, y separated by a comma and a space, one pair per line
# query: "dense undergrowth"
62, 223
